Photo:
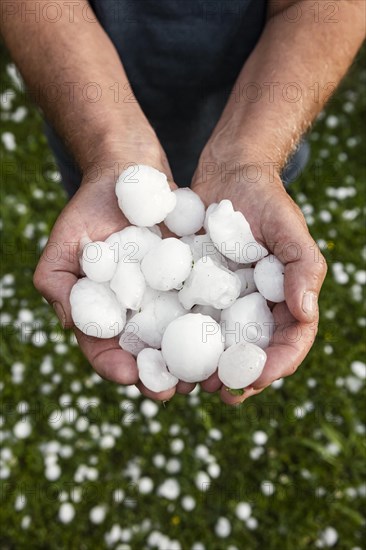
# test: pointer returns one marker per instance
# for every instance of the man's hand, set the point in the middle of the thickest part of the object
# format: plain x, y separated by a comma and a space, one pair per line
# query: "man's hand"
279, 225
93, 213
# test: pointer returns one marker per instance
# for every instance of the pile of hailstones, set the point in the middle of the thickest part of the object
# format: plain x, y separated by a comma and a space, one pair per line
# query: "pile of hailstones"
185, 306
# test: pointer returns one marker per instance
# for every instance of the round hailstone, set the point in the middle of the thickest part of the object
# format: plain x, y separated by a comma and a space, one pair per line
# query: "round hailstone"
150, 323
95, 309
188, 214
249, 319
153, 372
210, 285
208, 310
241, 364
269, 276
201, 246
144, 195
129, 284
246, 276
132, 243
99, 261
167, 264
191, 347
231, 234
66, 512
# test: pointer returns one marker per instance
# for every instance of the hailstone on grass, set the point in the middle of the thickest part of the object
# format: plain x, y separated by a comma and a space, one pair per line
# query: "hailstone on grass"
95, 309
249, 319
167, 265
98, 261
191, 347
241, 364
128, 284
269, 276
188, 214
210, 285
231, 234
144, 195
153, 371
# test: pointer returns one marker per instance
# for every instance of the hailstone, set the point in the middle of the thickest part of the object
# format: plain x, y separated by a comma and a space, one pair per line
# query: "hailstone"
98, 261
249, 319
241, 364
246, 276
129, 284
210, 285
153, 371
209, 211
144, 195
150, 323
188, 214
208, 310
130, 342
95, 309
191, 347
202, 246
269, 276
231, 234
132, 243
167, 264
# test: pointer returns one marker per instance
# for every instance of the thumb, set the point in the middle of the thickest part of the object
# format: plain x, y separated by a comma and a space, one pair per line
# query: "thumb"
304, 276
54, 281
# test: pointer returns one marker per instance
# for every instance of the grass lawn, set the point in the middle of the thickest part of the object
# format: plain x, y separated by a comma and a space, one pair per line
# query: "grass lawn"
86, 464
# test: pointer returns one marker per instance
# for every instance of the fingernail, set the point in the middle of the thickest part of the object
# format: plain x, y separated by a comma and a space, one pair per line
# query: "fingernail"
310, 303
60, 312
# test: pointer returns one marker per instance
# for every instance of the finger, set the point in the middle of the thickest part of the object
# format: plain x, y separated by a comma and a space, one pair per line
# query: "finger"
184, 387
212, 384
305, 267
107, 358
157, 396
55, 284
230, 399
290, 344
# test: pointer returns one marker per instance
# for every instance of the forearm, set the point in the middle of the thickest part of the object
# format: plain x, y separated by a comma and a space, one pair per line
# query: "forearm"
74, 71
288, 78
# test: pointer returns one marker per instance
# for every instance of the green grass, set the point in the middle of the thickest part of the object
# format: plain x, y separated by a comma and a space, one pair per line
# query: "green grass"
315, 421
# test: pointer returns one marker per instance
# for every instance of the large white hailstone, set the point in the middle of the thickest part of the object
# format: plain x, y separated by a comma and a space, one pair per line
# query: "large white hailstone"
191, 347
132, 243
99, 261
269, 276
241, 364
95, 309
249, 319
153, 371
210, 285
202, 247
144, 195
208, 310
150, 323
231, 234
167, 264
246, 276
129, 284
130, 342
209, 211
188, 214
